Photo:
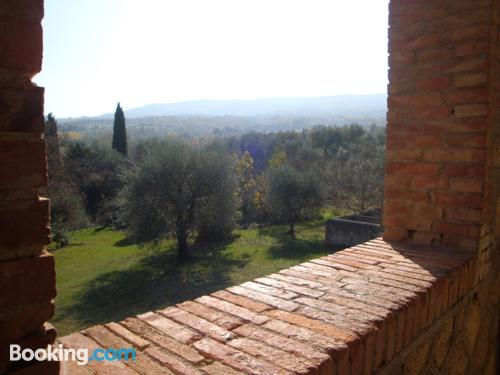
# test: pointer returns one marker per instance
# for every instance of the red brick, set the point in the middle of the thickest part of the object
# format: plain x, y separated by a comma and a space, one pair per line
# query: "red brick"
21, 45
434, 57
467, 140
430, 182
470, 79
466, 230
472, 63
406, 195
173, 363
327, 329
22, 164
337, 349
159, 338
216, 368
276, 356
79, 341
296, 280
463, 214
472, 48
466, 184
466, 95
144, 364
463, 169
338, 262
411, 169
169, 327
424, 41
72, 368
466, 200
415, 100
22, 110
402, 57
127, 335
266, 289
104, 337
242, 301
395, 234
434, 113
236, 358
471, 110
407, 222
403, 154
304, 273
418, 141
318, 357
29, 10
344, 254
264, 298
241, 312
289, 287
468, 33
199, 324
433, 84
27, 281
428, 211
14, 219
223, 320
23, 320
465, 155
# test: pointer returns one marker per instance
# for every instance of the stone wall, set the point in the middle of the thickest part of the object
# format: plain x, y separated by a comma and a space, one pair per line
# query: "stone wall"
344, 232
27, 279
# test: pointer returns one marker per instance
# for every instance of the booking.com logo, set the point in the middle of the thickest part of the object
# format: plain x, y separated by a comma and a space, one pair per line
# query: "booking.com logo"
80, 356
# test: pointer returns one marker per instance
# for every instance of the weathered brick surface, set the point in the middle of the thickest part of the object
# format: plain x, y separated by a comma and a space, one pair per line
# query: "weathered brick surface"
27, 280
351, 312
441, 63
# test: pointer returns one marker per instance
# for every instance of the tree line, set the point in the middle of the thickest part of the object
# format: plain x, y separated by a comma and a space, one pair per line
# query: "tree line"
202, 189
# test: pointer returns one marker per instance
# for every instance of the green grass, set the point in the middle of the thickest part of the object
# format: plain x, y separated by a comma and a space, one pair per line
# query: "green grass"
102, 276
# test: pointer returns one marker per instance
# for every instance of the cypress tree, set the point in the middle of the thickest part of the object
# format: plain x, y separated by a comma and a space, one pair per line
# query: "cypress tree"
119, 132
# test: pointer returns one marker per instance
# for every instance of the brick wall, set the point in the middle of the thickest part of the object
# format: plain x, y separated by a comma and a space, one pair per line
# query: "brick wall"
27, 279
438, 186
443, 166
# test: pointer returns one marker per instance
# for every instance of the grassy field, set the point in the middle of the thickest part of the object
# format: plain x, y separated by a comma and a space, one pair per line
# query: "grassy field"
102, 276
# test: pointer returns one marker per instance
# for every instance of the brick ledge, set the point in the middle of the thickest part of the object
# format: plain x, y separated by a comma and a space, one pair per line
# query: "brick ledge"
346, 313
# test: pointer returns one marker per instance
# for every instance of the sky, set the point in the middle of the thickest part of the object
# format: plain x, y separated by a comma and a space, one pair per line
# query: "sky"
138, 52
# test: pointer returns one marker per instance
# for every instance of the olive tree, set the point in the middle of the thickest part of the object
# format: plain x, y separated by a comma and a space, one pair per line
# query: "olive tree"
176, 188
293, 195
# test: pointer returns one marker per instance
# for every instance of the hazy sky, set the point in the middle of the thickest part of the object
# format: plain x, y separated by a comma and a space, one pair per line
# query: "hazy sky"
98, 52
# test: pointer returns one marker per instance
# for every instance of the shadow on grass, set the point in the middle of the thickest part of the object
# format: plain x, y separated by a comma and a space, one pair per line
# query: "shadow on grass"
127, 241
156, 281
298, 247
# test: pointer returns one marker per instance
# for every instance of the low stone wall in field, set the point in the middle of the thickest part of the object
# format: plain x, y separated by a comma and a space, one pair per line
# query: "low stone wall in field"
351, 230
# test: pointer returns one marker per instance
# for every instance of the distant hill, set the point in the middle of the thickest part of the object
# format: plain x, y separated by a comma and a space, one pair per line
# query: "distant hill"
341, 105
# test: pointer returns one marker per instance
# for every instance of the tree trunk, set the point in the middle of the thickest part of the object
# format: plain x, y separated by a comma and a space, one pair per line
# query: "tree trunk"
292, 229
182, 244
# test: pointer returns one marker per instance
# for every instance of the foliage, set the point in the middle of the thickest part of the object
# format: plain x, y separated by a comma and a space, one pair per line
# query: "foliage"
247, 187
294, 195
169, 189
119, 132
66, 208
95, 171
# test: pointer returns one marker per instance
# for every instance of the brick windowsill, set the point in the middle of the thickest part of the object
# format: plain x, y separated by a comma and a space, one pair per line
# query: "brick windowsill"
350, 312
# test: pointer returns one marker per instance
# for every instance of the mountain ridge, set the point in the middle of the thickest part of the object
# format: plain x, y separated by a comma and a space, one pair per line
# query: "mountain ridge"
373, 104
